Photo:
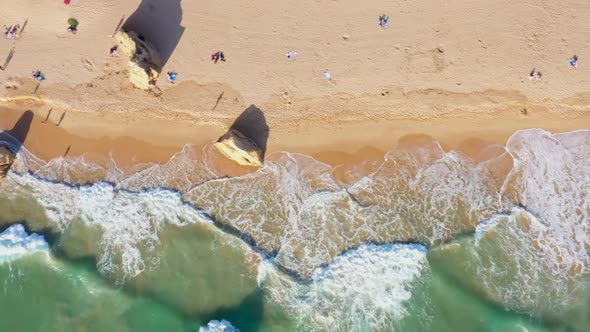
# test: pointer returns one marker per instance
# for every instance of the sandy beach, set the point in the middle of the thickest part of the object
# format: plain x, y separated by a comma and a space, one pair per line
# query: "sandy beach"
454, 72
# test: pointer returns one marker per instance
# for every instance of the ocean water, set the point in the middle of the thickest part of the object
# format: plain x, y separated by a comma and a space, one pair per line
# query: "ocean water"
430, 241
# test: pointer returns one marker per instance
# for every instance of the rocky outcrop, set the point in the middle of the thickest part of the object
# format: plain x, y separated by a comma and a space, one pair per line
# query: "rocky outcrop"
144, 61
236, 146
6, 160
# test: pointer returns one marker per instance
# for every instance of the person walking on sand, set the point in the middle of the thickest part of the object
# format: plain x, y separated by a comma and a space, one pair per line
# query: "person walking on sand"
221, 56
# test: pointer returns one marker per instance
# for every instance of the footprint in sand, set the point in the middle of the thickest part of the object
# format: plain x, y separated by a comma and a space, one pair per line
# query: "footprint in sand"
11, 84
87, 64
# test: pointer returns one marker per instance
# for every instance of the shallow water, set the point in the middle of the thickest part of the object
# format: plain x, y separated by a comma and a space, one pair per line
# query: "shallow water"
431, 240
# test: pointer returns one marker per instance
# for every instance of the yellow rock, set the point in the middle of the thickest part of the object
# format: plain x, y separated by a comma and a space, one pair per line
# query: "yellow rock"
6, 160
236, 146
144, 61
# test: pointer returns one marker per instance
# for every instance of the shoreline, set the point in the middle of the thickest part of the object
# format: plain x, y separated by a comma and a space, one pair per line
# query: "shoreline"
349, 135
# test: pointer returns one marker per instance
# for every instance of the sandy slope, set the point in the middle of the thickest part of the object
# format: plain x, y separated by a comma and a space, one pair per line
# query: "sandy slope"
451, 69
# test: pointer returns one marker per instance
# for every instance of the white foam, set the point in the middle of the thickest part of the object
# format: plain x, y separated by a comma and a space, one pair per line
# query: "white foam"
552, 181
363, 289
219, 326
129, 221
15, 243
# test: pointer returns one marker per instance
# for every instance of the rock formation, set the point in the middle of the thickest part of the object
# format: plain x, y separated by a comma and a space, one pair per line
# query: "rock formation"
236, 146
144, 61
6, 160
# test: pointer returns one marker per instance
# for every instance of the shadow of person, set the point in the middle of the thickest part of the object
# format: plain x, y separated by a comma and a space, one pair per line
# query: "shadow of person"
14, 138
252, 124
158, 23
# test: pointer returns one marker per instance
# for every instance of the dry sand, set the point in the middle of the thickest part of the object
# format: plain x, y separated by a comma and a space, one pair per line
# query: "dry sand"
453, 70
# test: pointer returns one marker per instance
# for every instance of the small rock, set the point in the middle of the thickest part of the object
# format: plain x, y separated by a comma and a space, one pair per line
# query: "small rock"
346, 37
459, 82
440, 49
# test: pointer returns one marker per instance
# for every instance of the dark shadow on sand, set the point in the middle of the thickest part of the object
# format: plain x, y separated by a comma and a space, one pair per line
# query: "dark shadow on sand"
252, 124
16, 136
8, 58
158, 23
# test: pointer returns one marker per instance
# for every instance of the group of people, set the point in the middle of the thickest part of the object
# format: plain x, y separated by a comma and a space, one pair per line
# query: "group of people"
11, 32
217, 56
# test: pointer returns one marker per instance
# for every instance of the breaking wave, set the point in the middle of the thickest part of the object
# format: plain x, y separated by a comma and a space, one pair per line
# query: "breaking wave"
364, 289
15, 242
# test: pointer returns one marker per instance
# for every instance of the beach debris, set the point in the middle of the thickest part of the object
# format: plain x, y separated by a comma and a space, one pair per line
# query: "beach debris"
234, 145
171, 76
327, 75
383, 21
144, 60
217, 56
73, 25
574, 62
6, 160
346, 37
38, 75
291, 55
535, 75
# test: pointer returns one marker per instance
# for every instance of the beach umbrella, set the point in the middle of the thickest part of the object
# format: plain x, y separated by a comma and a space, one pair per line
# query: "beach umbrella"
73, 22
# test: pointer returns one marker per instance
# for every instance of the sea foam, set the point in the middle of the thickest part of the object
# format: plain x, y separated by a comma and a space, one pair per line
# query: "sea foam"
128, 222
360, 290
15, 242
219, 326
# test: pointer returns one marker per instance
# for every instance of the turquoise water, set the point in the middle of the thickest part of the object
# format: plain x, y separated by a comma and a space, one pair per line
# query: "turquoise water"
431, 241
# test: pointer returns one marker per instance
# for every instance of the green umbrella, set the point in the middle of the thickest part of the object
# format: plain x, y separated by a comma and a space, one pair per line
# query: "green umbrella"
73, 22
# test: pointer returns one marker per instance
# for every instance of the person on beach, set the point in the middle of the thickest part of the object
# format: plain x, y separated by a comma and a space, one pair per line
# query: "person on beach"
535, 75
12, 31
383, 21
291, 55
73, 25
38, 75
113, 50
327, 75
171, 76
218, 56
574, 62
215, 57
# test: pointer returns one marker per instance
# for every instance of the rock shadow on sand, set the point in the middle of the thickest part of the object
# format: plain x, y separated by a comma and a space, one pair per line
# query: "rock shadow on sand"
252, 124
14, 138
158, 23
11, 141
